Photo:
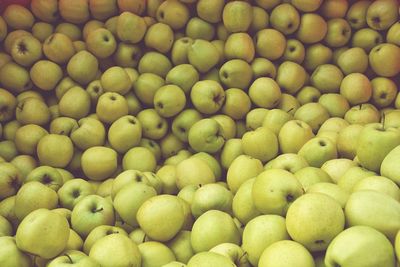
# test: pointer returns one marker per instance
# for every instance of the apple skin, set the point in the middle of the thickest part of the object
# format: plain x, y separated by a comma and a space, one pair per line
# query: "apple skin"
206, 136
293, 135
99, 163
384, 59
388, 168
73, 258
43, 233
51, 146
99, 232
11, 255
253, 141
382, 14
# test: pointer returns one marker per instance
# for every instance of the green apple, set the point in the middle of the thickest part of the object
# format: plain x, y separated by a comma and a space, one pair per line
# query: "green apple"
256, 238
99, 163
127, 55
59, 48
356, 88
8, 104
89, 133
139, 158
206, 135
321, 213
293, 135
146, 85
73, 258
10, 179
317, 23
199, 51
75, 103
237, 103
263, 67
318, 150
339, 32
90, 212
169, 100
236, 73
384, 59
285, 18
288, 161
154, 253
46, 175
382, 14
161, 217
111, 106
99, 232
295, 51
309, 176
82, 67
242, 204
26, 50
13, 14
63, 126
379, 184
116, 79
327, 78
116, 250
11, 255
314, 114
347, 59
210, 11
273, 194
366, 39
254, 141
362, 114
370, 247
347, 141
125, 133
237, 16
351, 176
388, 139
336, 104
72, 191
55, 150
173, 13
125, 178
184, 76
53, 72
180, 49
131, 28
101, 43
160, 37
129, 199
275, 119
337, 167
239, 46
234, 252
270, 43
43, 233
207, 258
242, 168
373, 209
211, 197
330, 189
255, 118
24, 163
383, 91
231, 150
357, 14
15, 77
316, 55
388, 168
286, 252
291, 77
392, 35
212, 228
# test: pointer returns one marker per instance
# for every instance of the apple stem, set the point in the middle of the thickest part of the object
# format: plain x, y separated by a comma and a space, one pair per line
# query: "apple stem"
383, 120
68, 257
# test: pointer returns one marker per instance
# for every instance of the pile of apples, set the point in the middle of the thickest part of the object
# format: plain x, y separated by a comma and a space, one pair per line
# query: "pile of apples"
200, 133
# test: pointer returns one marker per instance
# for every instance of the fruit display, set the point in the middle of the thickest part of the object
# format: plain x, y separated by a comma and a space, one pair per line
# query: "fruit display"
200, 133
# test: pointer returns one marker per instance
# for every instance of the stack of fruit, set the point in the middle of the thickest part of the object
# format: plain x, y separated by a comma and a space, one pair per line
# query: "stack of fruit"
200, 133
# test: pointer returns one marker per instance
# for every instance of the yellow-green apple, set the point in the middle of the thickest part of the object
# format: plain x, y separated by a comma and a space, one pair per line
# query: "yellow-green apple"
45, 10
11, 255
202, 55
237, 103
362, 114
336, 104
321, 213
392, 35
55, 150
254, 141
116, 79
327, 78
63, 126
155, 62
212, 228
154, 126
371, 154
45, 74
382, 14
357, 14
314, 114
89, 133
263, 67
270, 43
59, 48
334, 8
169, 100
337, 167
43, 233
379, 184
211, 197
46, 175
348, 139
308, 176
237, 16
346, 60
111, 106
129, 199
206, 135
265, 92
180, 49
154, 253
103, 9
101, 43
77, 12
234, 252
293, 135
124, 133
24, 163
388, 166
26, 50
240, 46
255, 118
173, 13
318, 150
369, 247
316, 55
99, 163
27, 137
127, 55
160, 37
275, 119
295, 51
210, 11
161, 217
10, 179
184, 76
71, 30
356, 88
139, 158
75, 103
330, 189
18, 17
90, 212
352, 176
72, 258
285, 18
288, 161
15, 78
208, 258
146, 85
286, 252
320, 28
242, 204
72, 191
183, 122
256, 239
383, 91
116, 250
366, 39
82, 67
8, 103
384, 59
99, 232
339, 32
